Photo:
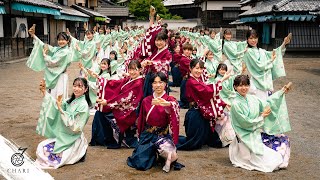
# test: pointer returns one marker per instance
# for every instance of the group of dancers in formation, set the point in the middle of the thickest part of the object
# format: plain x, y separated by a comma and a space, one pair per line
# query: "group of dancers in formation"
124, 77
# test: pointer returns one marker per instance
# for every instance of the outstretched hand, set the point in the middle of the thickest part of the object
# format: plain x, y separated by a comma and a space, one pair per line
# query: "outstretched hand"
226, 76
85, 26
152, 11
32, 30
102, 101
45, 49
266, 112
287, 39
59, 102
42, 87
68, 32
287, 87
160, 102
93, 74
273, 56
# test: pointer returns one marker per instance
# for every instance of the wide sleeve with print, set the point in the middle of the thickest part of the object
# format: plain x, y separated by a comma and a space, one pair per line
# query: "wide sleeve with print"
36, 60
278, 120
77, 119
205, 92
173, 112
247, 121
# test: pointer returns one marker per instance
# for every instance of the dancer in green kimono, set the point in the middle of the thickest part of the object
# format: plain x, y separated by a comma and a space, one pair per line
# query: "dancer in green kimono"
211, 65
62, 122
227, 94
54, 61
263, 66
259, 125
233, 51
92, 75
85, 50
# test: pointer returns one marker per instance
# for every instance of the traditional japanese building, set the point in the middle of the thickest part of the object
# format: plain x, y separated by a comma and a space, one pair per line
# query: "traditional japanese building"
184, 8
50, 17
218, 13
118, 14
274, 19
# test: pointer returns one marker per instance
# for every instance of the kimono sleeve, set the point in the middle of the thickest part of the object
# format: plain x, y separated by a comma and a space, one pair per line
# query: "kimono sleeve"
173, 112
205, 92
58, 59
241, 120
36, 60
162, 65
278, 69
47, 119
142, 117
278, 120
125, 96
258, 61
88, 51
76, 120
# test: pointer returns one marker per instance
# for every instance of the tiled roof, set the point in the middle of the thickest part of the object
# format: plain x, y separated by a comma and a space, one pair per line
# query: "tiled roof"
42, 3
316, 11
245, 2
87, 11
70, 11
113, 11
177, 2
268, 6
300, 5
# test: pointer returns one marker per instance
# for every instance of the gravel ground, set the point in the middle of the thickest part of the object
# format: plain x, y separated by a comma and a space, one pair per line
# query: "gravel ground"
20, 106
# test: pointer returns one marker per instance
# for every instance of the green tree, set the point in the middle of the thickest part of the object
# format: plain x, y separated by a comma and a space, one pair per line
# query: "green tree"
140, 9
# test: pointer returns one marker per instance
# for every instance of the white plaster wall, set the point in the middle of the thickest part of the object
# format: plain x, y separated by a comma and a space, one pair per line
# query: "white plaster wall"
172, 24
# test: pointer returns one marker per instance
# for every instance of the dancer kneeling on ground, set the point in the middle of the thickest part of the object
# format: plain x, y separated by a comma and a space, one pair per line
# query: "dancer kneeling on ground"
114, 122
158, 112
206, 108
259, 144
63, 123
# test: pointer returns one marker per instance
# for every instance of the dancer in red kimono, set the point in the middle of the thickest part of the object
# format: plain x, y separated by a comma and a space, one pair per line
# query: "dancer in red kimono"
206, 107
158, 113
113, 126
159, 61
184, 67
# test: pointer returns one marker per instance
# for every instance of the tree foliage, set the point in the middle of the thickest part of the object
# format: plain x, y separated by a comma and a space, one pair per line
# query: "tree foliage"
140, 9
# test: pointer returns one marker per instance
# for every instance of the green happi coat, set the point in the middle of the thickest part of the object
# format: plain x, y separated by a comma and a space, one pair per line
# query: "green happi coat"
93, 85
102, 39
263, 71
248, 123
66, 128
211, 67
214, 45
87, 53
227, 94
54, 63
234, 52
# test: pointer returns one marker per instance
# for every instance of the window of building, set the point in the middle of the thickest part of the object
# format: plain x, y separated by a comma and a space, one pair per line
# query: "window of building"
231, 13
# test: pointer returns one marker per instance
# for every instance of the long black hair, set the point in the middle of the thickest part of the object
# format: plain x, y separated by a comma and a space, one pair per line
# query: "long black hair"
85, 84
221, 66
109, 68
115, 55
